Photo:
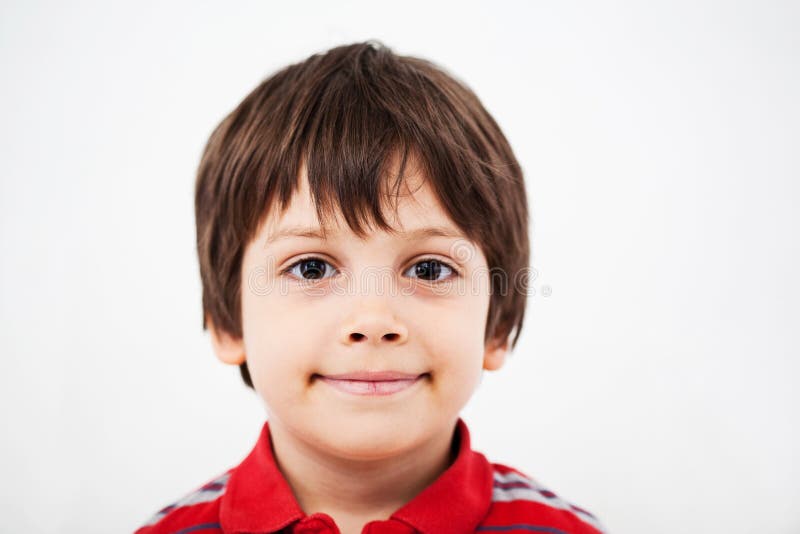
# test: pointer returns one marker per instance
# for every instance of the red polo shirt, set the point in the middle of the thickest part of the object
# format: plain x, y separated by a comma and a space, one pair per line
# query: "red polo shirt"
472, 495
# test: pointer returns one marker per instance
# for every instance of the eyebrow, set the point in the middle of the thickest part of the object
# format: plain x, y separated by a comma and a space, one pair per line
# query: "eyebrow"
317, 233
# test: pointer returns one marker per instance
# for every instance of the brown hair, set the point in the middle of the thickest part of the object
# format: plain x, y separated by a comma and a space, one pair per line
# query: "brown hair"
345, 114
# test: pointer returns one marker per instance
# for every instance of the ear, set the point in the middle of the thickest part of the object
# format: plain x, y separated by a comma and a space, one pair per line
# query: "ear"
228, 349
495, 355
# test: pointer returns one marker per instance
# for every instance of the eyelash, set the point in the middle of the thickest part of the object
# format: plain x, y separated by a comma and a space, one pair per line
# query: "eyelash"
453, 270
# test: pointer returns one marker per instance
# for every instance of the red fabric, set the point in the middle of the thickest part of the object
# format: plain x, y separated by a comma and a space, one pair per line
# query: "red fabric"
471, 495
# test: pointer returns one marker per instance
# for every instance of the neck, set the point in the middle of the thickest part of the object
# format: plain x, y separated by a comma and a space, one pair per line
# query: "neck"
347, 488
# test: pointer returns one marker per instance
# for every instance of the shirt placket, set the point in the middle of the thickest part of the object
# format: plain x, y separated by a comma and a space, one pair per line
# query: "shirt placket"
321, 523
318, 523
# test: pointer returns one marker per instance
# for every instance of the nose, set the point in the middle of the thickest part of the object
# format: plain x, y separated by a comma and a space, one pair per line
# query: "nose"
373, 322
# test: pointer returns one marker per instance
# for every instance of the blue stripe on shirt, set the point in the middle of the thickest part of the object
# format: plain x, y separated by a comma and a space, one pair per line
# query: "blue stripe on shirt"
204, 526
531, 528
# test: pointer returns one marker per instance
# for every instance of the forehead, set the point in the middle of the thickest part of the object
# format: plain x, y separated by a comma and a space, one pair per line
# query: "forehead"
413, 210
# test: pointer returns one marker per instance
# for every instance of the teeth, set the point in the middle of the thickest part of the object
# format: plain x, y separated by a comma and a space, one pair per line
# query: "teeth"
364, 387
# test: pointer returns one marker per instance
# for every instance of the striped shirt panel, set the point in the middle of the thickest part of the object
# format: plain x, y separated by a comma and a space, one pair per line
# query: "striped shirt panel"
517, 497
207, 493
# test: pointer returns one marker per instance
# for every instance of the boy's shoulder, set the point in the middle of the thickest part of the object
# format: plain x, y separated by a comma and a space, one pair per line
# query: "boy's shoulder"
197, 511
520, 503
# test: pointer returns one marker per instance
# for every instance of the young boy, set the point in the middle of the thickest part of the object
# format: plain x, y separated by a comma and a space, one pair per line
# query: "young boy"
361, 227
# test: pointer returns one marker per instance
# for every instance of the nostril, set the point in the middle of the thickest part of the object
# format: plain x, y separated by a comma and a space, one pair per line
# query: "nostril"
356, 336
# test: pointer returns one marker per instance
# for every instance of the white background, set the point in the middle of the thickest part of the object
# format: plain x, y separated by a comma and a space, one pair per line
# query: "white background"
656, 386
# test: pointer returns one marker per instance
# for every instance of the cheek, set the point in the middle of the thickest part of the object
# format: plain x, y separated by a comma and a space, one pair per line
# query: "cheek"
282, 340
455, 339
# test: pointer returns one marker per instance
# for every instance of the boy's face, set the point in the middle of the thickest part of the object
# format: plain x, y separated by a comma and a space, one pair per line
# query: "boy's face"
354, 306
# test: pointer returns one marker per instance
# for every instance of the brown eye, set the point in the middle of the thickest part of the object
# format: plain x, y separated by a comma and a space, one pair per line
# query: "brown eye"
431, 269
309, 269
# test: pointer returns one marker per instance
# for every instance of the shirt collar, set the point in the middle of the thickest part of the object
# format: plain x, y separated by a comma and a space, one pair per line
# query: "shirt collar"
259, 499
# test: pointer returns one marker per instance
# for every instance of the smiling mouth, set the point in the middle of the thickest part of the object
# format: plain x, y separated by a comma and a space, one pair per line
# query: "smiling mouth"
371, 387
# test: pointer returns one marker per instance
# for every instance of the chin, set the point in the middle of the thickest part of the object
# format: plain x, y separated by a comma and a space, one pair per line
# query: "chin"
371, 441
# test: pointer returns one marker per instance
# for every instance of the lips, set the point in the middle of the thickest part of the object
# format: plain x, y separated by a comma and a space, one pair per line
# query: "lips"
372, 382
374, 376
